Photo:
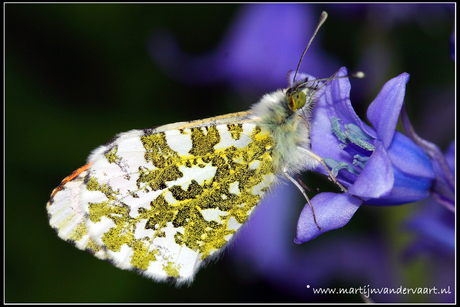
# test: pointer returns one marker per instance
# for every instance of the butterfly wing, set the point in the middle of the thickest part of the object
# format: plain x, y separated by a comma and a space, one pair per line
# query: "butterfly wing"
164, 200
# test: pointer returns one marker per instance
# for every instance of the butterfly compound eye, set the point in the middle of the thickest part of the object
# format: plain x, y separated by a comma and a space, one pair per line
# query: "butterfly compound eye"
296, 100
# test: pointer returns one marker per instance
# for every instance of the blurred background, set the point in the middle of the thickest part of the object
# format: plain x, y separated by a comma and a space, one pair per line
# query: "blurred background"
77, 74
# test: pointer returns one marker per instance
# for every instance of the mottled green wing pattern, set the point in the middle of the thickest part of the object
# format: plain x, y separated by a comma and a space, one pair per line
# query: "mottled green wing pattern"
162, 201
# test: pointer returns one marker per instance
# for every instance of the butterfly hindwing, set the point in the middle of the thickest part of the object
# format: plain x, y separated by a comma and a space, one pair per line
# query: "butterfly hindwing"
162, 200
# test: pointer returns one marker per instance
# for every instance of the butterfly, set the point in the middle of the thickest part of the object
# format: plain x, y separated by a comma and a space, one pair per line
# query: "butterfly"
163, 201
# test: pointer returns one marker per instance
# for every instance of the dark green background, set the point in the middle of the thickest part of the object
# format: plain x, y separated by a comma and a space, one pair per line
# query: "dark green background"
78, 74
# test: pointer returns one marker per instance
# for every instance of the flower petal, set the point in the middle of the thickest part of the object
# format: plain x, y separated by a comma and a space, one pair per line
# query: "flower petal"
332, 211
409, 157
377, 177
323, 141
406, 189
384, 111
334, 101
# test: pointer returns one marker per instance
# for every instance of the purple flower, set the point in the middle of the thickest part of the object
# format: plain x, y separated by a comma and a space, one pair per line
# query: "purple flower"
436, 223
263, 41
434, 229
264, 251
379, 166
443, 189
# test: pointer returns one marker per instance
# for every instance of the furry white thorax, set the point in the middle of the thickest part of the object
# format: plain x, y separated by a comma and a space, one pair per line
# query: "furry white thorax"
289, 129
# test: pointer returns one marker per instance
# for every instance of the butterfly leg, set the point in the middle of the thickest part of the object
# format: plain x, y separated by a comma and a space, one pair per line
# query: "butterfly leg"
305, 186
305, 195
320, 160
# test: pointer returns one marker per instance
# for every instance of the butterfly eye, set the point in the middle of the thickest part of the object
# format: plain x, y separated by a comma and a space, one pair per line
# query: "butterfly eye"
297, 100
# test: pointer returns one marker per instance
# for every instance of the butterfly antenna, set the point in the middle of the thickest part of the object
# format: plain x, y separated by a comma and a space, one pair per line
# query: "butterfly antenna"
356, 75
322, 19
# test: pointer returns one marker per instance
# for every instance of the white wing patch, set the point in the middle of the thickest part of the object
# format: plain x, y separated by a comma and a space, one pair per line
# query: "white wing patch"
163, 201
